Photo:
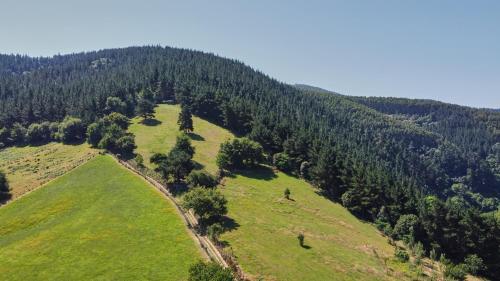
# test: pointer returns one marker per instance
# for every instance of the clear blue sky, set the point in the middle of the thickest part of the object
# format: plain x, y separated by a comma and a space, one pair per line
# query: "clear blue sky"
444, 50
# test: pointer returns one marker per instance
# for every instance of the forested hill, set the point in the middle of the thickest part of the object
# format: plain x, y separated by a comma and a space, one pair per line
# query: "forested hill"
380, 163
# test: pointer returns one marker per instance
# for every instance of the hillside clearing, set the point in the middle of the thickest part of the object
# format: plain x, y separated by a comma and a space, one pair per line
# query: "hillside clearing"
97, 222
29, 167
158, 135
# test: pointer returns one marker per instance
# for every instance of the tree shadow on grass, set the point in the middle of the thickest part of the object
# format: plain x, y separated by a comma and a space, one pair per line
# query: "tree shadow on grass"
198, 165
151, 122
229, 224
259, 173
195, 137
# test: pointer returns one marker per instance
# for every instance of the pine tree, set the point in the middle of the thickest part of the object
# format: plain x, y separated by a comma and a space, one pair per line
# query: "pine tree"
145, 104
185, 120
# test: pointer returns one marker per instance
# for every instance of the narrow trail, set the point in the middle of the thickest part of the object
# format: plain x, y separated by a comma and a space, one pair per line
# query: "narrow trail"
207, 246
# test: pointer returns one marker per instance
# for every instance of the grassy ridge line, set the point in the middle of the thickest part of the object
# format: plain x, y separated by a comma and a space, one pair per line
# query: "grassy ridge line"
98, 222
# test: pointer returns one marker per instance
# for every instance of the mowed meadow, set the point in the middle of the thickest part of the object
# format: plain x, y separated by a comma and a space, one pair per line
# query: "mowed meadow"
28, 167
97, 222
264, 225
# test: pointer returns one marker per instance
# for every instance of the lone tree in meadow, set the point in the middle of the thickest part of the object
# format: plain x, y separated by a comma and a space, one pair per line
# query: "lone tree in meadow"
301, 238
4, 188
185, 120
146, 104
287, 193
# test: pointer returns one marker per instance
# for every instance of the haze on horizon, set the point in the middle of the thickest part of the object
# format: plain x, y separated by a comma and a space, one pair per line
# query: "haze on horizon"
446, 50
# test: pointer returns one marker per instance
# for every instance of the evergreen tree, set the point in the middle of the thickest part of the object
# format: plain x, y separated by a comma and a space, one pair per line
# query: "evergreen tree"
4, 188
145, 104
185, 120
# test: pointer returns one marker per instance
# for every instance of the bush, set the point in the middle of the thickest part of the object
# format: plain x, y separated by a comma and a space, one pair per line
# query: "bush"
94, 134
125, 144
201, 178
474, 264
71, 129
282, 162
406, 227
401, 255
18, 133
139, 160
214, 231
115, 104
5, 136
205, 203
116, 118
455, 272
211, 271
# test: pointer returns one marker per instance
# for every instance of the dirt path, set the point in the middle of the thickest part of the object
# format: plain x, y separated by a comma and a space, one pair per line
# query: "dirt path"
207, 247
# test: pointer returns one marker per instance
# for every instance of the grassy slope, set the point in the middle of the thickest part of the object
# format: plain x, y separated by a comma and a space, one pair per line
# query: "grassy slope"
160, 137
341, 246
265, 241
31, 166
97, 222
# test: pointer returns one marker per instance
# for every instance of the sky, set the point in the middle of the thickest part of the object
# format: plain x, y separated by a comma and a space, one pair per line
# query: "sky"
442, 50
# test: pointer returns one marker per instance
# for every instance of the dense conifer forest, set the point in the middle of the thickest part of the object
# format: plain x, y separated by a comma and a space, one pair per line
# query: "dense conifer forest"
424, 171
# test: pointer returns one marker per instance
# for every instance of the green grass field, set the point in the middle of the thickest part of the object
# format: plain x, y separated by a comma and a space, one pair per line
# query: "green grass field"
97, 222
338, 245
31, 166
265, 237
159, 136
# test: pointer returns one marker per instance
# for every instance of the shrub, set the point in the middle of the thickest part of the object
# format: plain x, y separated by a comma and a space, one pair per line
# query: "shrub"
210, 271
125, 144
282, 162
455, 272
115, 104
116, 118
201, 178
214, 231
71, 129
139, 160
18, 133
94, 134
401, 255
406, 227
474, 264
